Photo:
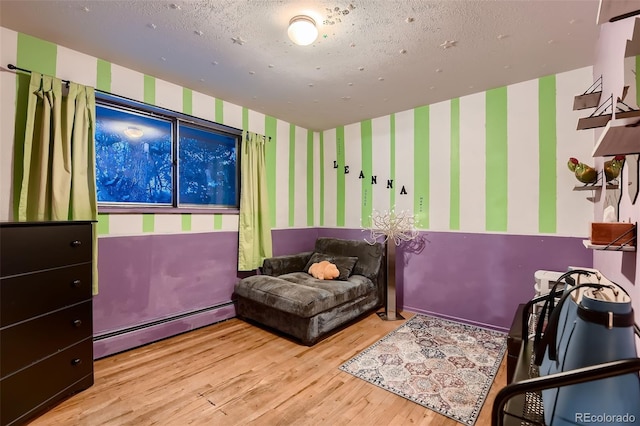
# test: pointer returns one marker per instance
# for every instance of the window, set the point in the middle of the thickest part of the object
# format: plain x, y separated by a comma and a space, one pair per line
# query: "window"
148, 156
207, 167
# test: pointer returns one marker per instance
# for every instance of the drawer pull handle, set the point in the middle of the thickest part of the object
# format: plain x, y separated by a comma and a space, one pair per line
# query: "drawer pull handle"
76, 361
76, 243
76, 283
77, 323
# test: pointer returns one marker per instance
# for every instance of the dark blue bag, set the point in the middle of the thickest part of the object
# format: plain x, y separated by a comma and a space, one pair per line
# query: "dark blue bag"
547, 355
599, 328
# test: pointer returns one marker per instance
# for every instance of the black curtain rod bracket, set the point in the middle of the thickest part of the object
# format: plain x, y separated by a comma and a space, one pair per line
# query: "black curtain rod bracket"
13, 67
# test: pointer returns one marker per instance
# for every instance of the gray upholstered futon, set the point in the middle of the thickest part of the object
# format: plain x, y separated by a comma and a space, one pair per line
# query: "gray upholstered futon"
286, 298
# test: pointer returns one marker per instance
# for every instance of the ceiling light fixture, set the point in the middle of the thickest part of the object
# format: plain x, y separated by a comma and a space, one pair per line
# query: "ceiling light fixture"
133, 132
302, 30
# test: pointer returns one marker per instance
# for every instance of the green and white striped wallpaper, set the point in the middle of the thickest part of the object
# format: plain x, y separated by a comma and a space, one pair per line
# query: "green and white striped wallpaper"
39, 55
493, 161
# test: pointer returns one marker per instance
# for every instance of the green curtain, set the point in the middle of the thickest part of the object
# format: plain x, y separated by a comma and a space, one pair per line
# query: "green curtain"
254, 243
57, 181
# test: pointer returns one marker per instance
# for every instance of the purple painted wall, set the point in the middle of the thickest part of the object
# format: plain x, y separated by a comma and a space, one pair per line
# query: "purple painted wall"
481, 278
475, 278
146, 278
288, 241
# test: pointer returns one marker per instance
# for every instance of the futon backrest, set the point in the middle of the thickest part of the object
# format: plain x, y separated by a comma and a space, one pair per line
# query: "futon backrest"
369, 256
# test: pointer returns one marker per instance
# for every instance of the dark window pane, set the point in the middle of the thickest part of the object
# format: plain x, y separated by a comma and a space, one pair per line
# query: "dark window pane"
207, 167
133, 157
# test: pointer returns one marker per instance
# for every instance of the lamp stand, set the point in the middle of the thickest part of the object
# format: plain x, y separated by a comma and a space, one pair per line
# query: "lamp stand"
390, 310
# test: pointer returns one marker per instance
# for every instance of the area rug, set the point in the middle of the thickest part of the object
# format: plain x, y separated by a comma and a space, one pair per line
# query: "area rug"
445, 366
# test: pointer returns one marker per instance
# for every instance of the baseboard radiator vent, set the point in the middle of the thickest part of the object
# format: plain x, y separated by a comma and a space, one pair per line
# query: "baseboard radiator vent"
127, 338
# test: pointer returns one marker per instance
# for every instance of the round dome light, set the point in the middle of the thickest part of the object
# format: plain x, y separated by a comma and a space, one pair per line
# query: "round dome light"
302, 30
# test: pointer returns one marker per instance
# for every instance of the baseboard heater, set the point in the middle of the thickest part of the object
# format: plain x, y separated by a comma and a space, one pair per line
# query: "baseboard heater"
139, 327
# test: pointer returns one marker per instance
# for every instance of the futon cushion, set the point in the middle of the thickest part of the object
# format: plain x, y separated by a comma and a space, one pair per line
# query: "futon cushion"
301, 294
345, 264
368, 255
279, 265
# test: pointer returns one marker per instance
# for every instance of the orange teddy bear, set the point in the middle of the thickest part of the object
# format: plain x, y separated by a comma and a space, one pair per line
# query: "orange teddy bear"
324, 270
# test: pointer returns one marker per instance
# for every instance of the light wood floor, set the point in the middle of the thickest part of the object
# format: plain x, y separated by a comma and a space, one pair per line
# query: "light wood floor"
234, 373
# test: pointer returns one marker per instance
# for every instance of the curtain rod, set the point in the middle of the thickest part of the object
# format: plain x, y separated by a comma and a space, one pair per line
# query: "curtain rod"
13, 67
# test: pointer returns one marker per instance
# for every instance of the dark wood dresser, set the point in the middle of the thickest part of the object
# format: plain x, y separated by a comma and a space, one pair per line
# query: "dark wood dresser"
46, 321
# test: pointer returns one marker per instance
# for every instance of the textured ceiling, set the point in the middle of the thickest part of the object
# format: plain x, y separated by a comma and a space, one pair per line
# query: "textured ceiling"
372, 58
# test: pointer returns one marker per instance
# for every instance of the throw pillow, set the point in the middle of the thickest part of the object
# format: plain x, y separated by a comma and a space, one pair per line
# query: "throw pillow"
345, 264
324, 270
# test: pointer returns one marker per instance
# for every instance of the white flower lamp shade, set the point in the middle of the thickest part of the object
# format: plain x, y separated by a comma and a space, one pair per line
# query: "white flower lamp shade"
394, 228
302, 30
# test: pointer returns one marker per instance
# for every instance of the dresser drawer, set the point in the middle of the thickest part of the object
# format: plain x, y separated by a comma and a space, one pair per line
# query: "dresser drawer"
42, 246
46, 382
28, 342
29, 295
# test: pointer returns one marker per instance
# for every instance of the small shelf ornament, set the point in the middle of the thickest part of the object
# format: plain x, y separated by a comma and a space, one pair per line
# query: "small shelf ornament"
583, 172
590, 176
393, 228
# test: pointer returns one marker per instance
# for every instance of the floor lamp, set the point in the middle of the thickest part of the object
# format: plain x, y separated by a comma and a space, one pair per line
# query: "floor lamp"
394, 228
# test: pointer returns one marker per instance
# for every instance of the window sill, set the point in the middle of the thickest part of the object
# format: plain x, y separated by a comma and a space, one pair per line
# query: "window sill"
165, 210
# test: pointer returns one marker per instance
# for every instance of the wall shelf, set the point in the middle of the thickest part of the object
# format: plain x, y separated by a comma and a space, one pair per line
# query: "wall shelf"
586, 100
594, 187
615, 236
606, 111
620, 136
597, 185
587, 244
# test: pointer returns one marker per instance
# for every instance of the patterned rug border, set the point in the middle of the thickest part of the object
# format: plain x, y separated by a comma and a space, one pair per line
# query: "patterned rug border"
467, 327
